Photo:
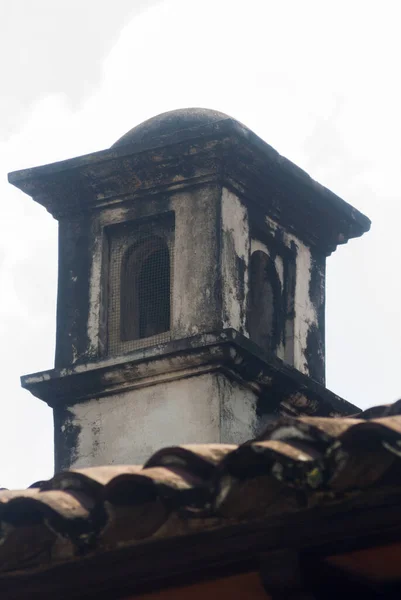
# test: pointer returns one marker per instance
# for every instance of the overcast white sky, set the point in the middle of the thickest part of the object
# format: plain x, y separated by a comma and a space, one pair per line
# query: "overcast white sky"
318, 80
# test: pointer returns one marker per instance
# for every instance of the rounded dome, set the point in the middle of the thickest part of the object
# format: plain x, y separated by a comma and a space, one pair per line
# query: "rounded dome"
168, 123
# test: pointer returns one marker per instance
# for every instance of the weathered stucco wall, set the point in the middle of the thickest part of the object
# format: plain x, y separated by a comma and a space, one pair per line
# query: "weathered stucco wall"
301, 272
128, 427
213, 241
196, 297
212, 249
238, 411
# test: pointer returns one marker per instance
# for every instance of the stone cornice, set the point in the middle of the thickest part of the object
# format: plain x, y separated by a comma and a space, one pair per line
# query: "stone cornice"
281, 388
224, 152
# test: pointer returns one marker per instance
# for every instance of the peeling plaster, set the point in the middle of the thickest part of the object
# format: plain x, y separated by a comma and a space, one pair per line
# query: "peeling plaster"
305, 311
278, 263
235, 260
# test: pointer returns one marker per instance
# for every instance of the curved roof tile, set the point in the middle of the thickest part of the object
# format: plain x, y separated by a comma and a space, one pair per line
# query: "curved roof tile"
187, 488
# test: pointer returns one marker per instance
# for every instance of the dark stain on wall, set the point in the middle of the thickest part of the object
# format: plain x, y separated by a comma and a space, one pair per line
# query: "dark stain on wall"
241, 270
66, 437
75, 256
315, 347
265, 321
228, 242
314, 354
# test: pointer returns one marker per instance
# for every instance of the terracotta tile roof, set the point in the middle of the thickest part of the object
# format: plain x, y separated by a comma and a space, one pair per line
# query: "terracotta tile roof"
296, 463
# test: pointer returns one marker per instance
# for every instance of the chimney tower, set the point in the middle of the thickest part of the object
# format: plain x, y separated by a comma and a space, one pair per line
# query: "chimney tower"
191, 289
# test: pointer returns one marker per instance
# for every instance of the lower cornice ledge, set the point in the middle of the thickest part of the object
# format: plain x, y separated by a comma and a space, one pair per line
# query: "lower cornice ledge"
227, 351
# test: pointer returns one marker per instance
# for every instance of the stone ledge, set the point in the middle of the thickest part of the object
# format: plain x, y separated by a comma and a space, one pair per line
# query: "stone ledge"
280, 387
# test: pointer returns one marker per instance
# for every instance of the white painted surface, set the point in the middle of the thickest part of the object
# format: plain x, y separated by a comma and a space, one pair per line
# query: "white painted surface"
238, 411
127, 428
235, 229
94, 289
305, 313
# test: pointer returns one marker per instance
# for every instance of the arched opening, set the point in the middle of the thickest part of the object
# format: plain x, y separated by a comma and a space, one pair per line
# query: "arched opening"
145, 290
264, 302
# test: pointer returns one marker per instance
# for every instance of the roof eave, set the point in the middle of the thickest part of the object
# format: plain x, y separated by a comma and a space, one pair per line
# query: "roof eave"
226, 140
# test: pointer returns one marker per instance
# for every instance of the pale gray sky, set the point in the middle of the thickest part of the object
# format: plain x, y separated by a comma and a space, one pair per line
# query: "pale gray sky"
319, 81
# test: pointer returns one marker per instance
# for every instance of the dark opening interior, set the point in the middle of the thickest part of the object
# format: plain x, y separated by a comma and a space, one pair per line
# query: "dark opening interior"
145, 290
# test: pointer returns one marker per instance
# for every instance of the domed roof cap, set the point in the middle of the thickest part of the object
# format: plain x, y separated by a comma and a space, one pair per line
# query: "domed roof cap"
168, 123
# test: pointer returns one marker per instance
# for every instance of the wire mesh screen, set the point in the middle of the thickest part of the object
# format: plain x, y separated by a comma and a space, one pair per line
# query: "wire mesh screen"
140, 284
